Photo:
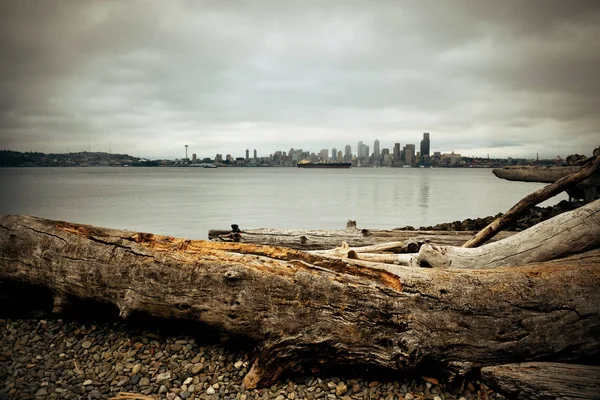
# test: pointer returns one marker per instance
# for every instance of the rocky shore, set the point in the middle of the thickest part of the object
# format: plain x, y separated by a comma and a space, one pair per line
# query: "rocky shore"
77, 358
533, 216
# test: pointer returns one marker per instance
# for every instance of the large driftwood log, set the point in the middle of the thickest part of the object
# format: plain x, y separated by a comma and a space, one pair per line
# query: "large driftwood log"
532, 199
588, 189
548, 381
329, 239
305, 309
568, 233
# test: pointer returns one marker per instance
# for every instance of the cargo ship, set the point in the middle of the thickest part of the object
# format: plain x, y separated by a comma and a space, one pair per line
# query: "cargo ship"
310, 164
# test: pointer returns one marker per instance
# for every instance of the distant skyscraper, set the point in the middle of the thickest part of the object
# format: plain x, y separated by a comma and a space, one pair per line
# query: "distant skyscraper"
348, 152
409, 154
333, 153
247, 154
324, 155
255, 154
425, 145
376, 152
397, 150
360, 150
340, 155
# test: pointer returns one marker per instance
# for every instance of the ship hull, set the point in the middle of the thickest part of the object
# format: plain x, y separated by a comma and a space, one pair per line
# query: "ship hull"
325, 165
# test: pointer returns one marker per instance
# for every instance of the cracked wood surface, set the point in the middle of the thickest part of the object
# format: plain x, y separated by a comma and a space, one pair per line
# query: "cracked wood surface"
304, 309
568, 233
548, 381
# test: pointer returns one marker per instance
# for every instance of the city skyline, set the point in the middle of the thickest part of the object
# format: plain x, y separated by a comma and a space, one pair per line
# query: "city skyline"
484, 77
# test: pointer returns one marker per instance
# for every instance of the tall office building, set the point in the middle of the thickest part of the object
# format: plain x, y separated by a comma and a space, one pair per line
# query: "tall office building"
397, 150
333, 153
324, 155
247, 154
255, 154
360, 150
348, 152
376, 152
425, 145
409, 154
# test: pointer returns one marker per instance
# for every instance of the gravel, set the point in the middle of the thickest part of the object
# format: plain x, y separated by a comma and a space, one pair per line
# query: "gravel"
75, 359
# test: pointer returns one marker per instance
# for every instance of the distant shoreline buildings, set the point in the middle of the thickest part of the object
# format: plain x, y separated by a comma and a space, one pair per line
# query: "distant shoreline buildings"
397, 156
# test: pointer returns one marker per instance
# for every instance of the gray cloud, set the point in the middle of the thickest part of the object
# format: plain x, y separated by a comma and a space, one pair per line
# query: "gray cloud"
508, 78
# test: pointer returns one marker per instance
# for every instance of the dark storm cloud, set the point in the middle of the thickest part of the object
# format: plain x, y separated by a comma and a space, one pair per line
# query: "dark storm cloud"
506, 77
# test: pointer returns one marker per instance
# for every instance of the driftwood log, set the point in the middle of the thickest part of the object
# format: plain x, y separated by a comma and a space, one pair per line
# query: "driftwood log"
568, 233
548, 381
587, 189
328, 239
590, 170
305, 309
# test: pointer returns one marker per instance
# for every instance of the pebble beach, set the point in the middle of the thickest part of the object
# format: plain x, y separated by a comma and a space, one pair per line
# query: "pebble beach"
54, 358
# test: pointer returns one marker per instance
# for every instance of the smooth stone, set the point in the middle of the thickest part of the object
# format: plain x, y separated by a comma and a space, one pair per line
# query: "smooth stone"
136, 368
163, 376
86, 345
188, 381
341, 389
94, 394
87, 382
210, 390
238, 364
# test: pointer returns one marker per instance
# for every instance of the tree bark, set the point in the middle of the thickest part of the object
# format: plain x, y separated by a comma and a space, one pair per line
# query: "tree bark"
568, 233
529, 201
303, 309
533, 381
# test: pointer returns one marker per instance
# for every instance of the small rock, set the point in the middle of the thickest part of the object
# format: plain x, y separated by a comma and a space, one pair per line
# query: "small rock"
87, 382
331, 385
86, 345
145, 382
210, 390
188, 381
163, 376
437, 398
184, 394
197, 368
408, 396
373, 384
163, 388
136, 368
356, 388
94, 394
42, 392
191, 388
341, 389
238, 364
216, 386
280, 397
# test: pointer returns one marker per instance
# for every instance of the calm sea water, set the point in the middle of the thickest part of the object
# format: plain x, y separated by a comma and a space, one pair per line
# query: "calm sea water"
187, 202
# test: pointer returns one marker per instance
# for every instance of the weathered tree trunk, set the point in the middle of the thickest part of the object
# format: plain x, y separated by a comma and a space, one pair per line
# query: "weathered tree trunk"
588, 189
305, 309
533, 381
568, 233
328, 239
532, 199
534, 174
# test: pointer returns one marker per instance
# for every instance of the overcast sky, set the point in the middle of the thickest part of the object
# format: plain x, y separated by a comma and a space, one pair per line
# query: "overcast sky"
508, 78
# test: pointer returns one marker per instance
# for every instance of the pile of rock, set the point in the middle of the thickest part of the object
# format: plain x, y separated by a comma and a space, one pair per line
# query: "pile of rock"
70, 359
534, 216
